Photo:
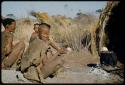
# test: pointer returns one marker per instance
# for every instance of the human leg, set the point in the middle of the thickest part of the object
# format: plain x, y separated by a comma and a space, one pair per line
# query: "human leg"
16, 53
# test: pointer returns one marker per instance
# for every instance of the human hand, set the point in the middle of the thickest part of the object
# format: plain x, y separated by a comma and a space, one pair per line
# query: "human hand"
62, 51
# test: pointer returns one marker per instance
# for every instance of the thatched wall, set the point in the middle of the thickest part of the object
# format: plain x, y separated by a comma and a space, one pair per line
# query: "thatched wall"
109, 30
101, 37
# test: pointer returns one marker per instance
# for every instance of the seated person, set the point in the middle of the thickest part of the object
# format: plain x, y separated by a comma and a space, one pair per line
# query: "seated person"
35, 33
40, 55
10, 53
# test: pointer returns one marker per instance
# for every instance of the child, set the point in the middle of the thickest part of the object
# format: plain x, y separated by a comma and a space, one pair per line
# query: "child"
35, 33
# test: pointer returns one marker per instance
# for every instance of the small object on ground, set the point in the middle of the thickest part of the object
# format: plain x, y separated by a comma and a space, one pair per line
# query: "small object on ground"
109, 68
94, 65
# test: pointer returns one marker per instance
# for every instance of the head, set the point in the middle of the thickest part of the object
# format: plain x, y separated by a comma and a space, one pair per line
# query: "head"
9, 24
36, 27
43, 31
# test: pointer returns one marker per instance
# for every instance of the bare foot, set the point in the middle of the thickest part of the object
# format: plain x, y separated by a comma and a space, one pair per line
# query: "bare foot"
38, 69
42, 80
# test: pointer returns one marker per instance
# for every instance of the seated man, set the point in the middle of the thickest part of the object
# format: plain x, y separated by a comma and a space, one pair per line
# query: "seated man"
39, 56
10, 53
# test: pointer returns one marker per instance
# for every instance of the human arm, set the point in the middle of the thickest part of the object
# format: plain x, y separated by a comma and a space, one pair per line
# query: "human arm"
9, 45
33, 36
60, 50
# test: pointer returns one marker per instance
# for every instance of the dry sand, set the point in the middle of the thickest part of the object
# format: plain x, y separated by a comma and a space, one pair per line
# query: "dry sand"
75, 70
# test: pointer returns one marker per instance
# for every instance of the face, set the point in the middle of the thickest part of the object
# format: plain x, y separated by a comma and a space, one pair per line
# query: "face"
12, 26
44, 33
36, 28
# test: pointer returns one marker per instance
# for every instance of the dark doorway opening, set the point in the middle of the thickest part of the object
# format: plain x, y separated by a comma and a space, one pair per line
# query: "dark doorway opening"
115, 31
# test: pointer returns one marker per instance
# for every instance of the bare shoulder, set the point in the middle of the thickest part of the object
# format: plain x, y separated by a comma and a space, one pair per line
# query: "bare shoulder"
7, 34
34, 34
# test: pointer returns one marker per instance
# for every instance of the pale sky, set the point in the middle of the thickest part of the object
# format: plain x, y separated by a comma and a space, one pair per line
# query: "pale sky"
67, 8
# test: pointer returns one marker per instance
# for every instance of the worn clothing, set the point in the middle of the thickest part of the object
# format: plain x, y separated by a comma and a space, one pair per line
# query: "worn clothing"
39, 52
35, 53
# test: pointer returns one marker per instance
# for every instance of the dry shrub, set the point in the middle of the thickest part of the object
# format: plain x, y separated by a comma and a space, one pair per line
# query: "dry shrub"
24, 29
27, 21
64, 30
69, 36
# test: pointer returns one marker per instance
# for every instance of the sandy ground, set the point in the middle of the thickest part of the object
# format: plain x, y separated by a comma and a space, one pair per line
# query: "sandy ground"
84, 75
75, 70
12, 76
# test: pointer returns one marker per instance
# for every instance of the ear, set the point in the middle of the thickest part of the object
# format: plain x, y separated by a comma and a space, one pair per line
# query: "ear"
7, 26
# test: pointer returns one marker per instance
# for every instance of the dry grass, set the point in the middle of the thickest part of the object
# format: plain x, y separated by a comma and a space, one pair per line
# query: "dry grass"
69, 36
64, 30
24, 29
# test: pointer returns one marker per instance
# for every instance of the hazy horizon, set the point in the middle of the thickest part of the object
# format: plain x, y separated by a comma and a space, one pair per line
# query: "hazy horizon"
68, 8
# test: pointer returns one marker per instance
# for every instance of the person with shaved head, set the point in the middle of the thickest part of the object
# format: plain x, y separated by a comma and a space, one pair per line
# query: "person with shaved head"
39, 58
10, 53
